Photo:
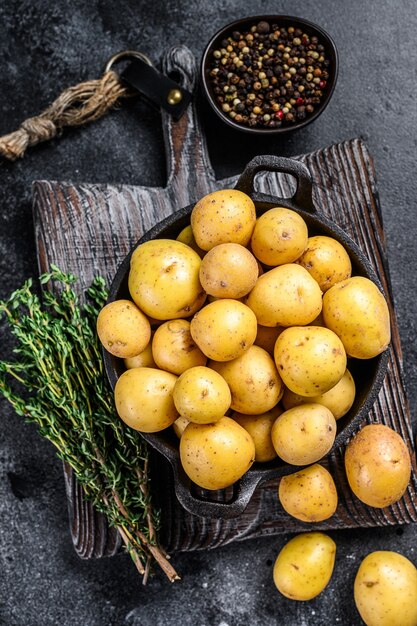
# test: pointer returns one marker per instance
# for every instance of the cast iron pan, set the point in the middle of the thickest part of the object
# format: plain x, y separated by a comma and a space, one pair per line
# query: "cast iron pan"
368, 374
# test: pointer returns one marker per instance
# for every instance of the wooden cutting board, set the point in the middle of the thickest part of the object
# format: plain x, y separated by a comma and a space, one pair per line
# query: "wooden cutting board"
88, 229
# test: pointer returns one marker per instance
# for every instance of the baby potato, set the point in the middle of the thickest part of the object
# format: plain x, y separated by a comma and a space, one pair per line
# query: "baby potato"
309, 495
186, 236
378, 466
225, 216
338, 399
228, 271
224, 329
144, 401
326, 260
285, 296
164, 279
123, 329
304, 566
385, 590
259, 427
216, 455
266, 337
174, 349
180, 425
253, 380
144, 359
201, 395
310, 359
304, 434
358, 313
280, 236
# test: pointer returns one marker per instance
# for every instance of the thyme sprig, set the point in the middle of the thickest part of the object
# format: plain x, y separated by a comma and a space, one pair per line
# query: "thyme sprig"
58, 362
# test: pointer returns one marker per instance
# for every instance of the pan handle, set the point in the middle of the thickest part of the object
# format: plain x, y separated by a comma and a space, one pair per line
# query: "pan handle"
302, 197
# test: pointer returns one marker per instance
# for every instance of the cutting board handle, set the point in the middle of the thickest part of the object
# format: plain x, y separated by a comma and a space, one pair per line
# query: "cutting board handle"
188, 162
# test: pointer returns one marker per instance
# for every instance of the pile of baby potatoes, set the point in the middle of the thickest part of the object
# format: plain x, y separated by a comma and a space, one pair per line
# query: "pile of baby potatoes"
237, 334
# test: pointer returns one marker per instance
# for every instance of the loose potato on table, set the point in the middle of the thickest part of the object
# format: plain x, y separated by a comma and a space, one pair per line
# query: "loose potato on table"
304, 434
253, 380
226, 216
164, 279
280, 236
228, 271
304, 566
326, 260
358, 313
224, 329
201, 395
285, 296
309, 495
123, 329
386, 590
310, 359
216, 455
259, 427
173, 348
378, 465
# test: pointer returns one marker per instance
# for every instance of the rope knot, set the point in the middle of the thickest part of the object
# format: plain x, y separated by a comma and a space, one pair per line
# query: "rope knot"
39, 129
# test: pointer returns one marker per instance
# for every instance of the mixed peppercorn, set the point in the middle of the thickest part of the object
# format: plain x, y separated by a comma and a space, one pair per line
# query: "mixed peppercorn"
270, 76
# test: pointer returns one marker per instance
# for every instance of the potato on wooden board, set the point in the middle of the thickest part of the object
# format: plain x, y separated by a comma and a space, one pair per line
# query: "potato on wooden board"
378, 465
123, 329
173, 348
280, 236
309, 495
164, 279
326, 260
259, 427
201, 395
228, 270
225, 216
304, 566
385, 590
216, 455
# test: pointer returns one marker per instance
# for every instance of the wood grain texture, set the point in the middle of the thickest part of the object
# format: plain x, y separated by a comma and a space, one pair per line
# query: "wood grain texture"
88, 229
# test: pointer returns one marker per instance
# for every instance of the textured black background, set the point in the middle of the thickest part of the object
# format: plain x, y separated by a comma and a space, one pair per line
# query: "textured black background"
48, 45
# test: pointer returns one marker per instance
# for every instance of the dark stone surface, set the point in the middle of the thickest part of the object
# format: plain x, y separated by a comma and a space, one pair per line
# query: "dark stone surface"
49, 45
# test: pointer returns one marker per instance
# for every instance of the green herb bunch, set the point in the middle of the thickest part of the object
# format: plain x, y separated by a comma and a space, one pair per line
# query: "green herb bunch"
58, 362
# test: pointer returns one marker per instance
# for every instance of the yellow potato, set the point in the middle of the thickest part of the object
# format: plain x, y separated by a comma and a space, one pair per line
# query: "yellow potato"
266, 337
326, 260
123, 329
216, 455
201, 395
259, 427
253, 380
385, 590
285, 296
310, 359
309, 495
180, 425
338, 399
357, 312
304, 434
186, 236
228, 271
378, 466
164, 279
224, 329
225, 216
144, 401
144, 359
304, 566
174, 349
280, 236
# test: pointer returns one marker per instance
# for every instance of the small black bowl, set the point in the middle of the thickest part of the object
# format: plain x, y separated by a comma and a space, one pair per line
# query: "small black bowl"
368, 374
282, 20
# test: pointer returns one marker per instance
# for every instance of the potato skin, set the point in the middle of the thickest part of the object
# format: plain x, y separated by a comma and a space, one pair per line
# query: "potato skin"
225, 216
304, 434
228, 271
173, 348
378, 466
266, 337
224, 329
155, 267
304, 566
385, 590
144, 401
280, 236
201, 395
338, 399
358, 313
253, 380
187, 236
144, 359
310, 359
216, 455
180, 425
259, 427
285, 296
326, 260
309, 495
123, 329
